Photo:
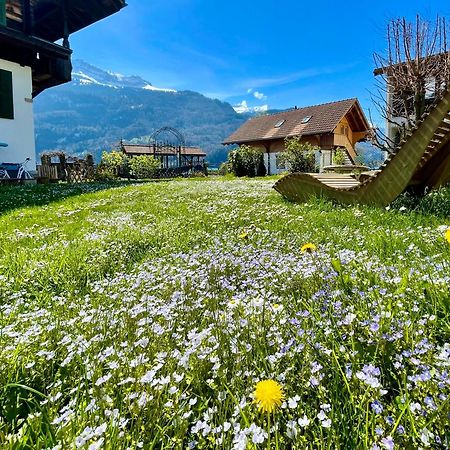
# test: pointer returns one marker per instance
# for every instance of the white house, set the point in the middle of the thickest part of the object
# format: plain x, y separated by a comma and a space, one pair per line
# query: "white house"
16, 114
31, 61
328, 127
400, 104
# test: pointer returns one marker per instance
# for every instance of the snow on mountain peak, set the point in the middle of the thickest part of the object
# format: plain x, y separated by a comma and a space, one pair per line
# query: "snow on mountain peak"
87, 74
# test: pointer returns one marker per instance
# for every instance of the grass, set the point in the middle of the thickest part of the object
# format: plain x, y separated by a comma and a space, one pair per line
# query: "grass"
143, 316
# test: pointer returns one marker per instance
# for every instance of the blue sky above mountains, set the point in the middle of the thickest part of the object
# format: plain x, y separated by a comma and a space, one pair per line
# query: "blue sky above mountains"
263, 54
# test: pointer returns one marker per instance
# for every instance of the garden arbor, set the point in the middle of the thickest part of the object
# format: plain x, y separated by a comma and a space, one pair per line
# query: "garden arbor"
168, 144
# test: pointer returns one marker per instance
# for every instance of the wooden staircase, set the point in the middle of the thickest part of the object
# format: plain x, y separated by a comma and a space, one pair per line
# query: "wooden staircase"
422, 161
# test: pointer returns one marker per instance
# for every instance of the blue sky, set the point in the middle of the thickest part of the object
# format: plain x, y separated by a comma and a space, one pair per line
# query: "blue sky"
275, 53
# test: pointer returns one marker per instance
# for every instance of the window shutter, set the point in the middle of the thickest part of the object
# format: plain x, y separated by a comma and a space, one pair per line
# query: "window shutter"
6, 95
2, 12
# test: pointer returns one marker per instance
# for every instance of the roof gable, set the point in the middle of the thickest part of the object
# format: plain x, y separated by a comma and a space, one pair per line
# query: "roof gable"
317, 119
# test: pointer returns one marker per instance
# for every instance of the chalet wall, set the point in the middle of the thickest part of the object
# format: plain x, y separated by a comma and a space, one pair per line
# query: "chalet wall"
18, 133
344, 129
273, 162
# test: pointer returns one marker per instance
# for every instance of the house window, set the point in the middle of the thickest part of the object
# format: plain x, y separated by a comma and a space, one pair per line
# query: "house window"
279, 123
6, 95
280, 161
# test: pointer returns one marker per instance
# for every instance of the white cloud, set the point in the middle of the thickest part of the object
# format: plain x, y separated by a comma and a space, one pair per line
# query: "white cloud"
263, 108
259, 95
249, 91
243, 107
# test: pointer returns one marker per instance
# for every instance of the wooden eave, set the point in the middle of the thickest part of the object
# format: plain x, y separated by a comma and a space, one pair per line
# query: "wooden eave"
50, 15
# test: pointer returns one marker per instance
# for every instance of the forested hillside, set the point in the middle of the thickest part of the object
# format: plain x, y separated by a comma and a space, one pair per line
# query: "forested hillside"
97, 109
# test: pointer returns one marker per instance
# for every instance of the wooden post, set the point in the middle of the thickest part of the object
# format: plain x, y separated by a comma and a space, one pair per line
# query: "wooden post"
268, 157
3, 12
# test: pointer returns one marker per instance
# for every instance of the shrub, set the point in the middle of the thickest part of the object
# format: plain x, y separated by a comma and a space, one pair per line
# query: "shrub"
299, 156
112, 165
143, 166
247, 161
339, 156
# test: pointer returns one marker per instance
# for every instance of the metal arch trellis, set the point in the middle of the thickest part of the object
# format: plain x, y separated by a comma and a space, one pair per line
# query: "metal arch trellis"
160, 147
177, 134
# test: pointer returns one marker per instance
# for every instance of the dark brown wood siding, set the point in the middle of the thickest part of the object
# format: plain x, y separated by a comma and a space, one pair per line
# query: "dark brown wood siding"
327, 141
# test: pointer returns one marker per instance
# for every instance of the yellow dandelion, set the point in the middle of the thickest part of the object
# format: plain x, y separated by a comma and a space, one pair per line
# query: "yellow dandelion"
243, 235
447, 235
309, 248
268, 395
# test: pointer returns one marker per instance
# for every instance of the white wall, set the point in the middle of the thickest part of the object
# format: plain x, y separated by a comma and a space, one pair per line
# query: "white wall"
19, 132
326, 159
273, 164
274, 170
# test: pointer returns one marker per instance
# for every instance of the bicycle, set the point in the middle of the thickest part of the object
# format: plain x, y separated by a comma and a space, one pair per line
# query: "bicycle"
14, 171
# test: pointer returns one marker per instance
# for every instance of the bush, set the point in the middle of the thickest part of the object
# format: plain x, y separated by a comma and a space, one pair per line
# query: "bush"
247, 161
143, 166
112, 165
339, 157
299, 156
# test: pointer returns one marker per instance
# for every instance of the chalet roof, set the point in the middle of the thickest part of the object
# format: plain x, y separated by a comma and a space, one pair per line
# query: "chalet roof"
310, 120
133, 149
48, 15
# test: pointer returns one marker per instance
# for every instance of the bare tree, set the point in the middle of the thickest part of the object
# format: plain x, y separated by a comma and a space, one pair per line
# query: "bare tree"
414, 70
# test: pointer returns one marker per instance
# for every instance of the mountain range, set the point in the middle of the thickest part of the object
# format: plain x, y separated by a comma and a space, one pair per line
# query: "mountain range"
99, 108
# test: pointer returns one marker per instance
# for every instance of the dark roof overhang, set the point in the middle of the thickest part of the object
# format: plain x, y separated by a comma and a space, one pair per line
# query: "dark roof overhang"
49, 62
49, 15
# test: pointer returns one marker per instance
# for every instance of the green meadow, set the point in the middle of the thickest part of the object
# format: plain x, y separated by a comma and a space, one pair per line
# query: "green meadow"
142, 316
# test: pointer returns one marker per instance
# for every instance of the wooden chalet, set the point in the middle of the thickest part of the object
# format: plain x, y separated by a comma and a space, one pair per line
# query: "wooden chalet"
328, 126
170, 156
31, 60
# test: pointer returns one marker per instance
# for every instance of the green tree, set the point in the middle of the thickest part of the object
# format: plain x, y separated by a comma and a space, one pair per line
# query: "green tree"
299, 156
